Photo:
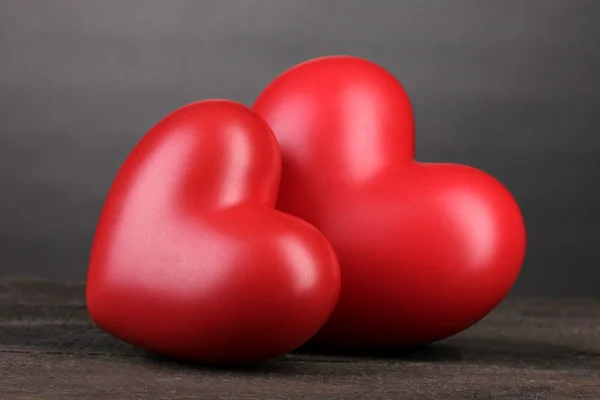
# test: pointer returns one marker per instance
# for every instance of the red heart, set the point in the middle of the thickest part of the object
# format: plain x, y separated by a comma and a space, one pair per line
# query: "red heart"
426, 250
190, 259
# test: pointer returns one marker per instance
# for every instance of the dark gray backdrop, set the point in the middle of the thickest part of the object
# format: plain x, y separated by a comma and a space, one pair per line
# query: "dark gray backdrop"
511, 87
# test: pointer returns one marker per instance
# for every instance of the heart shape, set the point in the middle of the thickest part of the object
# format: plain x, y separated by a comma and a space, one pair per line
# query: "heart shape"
426, 250
190, 258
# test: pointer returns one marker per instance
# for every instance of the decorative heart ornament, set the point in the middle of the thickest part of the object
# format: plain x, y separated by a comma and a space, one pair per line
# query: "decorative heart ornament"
190, 258
426, 250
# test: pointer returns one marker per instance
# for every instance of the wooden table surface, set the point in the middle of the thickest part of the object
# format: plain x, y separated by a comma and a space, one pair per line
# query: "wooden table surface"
526, 349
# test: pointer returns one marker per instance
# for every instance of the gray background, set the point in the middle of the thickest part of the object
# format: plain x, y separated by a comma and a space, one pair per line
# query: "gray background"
511, 87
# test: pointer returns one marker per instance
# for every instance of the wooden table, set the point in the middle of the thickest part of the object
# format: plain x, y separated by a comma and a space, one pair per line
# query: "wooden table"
526, 349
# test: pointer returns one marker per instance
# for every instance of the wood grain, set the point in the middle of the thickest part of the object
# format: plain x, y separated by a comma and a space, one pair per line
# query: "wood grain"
526, 349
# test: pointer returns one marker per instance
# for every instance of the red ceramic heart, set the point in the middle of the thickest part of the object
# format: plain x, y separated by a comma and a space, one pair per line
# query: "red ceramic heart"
426, 250
190, 258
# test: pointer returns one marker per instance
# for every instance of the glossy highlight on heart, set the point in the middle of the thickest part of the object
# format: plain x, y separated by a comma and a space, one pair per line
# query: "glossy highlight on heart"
191, 260
426, 249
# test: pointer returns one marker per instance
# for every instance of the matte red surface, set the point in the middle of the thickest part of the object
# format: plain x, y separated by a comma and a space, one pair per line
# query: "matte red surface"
426, 250
190, 259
